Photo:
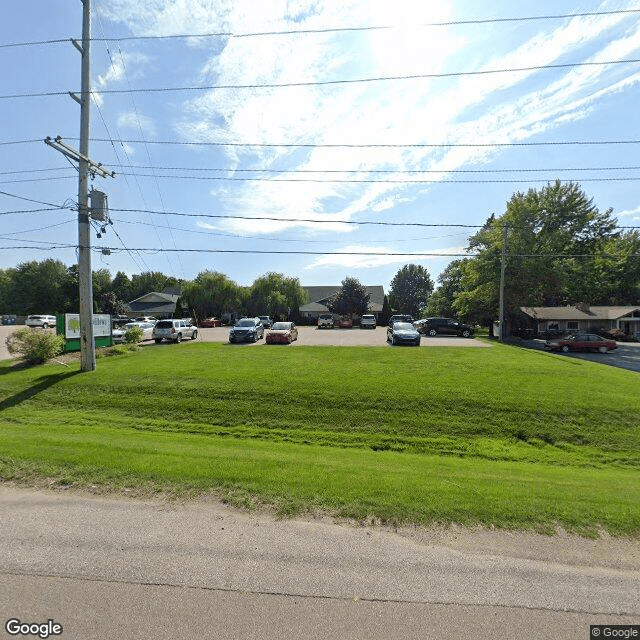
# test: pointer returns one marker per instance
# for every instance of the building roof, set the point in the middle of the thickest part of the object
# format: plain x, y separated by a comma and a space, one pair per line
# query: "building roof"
154, 303
321, 294
574, 313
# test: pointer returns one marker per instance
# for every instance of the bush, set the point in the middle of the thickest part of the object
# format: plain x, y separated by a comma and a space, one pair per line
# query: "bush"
35, 347
133, 335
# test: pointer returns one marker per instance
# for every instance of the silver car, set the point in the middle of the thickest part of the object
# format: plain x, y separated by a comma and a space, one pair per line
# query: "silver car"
41, 321
246, 330
174, 331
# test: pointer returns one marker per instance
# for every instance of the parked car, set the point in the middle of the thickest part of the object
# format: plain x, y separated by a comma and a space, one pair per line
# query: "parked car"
210, 322
399, 318
446, 326
41, 321
266, 321
9, 319
403, 333
282, 333
246, 330
174, 331
345, 322
325, 321
120, 321
147, 328
368, 321
581, 342
145, 319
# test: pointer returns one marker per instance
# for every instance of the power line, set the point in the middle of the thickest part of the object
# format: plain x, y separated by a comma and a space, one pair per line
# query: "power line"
228, 34
319, 83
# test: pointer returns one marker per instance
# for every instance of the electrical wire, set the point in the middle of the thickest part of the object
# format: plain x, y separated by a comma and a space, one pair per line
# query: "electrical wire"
322, 83
228, 34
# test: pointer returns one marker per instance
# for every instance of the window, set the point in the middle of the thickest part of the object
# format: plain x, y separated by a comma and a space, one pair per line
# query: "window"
573, 325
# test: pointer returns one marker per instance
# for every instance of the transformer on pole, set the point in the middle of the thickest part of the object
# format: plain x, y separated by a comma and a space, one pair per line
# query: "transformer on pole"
86, 167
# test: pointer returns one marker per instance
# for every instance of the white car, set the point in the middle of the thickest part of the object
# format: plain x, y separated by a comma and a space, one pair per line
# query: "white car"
118, 335
41, 321
326, 321
368, 322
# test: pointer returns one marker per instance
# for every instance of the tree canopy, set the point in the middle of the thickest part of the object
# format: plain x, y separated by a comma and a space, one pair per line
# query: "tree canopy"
351, 299
410, 290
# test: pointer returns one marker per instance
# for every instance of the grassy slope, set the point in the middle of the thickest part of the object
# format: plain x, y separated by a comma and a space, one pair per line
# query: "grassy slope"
502, 436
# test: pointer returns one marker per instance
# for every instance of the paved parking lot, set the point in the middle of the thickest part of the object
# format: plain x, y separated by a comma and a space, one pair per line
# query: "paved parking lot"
344, 337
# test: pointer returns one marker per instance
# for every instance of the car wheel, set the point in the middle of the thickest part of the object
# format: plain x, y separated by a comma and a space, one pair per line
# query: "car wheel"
466, 333
195, 335
45, 325
565, 348
158, 340
602, 349
179, 338
433, 332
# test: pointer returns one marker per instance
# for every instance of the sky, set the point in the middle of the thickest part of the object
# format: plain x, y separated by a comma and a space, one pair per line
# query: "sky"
313, 138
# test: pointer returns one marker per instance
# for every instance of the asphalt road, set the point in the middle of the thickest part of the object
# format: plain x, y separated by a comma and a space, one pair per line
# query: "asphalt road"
114, 568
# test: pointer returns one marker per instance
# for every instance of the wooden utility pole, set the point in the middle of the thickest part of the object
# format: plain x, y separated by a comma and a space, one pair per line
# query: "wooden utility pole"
86, 167
85, 283
503, 264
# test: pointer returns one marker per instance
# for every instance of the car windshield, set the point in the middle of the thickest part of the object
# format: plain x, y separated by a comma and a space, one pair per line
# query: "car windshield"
402, 326
246, 323
281, 326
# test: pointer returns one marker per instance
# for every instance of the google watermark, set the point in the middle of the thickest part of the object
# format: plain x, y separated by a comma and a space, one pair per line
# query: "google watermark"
15, 627
598, 631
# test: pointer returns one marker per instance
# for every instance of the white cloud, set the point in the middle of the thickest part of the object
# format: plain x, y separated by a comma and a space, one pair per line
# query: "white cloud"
634, 214
134, 121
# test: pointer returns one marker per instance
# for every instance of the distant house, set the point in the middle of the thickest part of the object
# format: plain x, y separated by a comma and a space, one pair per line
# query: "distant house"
582, 317
159, 305
319, 298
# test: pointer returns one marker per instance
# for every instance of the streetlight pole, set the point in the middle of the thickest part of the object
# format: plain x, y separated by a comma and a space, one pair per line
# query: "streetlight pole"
503, 264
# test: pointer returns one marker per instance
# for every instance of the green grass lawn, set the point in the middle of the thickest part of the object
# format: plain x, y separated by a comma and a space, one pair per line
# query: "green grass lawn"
503, 436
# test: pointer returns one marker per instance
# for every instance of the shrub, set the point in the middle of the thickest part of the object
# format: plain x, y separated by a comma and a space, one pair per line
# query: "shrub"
133, 335
35, 347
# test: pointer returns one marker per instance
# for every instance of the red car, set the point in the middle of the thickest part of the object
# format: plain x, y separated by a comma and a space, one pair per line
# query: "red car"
581, 342
282, 333
345, 322
210, 322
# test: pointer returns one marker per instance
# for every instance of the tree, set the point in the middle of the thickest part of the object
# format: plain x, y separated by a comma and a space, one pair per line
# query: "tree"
410, 290
544, 229
450, 286
121, 286
276, 295
39, 287
352, 299
211, 294
110, 303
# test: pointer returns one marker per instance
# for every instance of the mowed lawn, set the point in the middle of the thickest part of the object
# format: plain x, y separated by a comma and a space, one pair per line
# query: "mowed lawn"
502, 437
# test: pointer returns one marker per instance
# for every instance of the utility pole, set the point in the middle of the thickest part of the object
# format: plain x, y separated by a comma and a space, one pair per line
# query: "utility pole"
503, 264
85, 167
85, 283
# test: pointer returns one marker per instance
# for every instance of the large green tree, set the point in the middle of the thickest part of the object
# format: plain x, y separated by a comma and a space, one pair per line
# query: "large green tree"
211, 294
449, 287
410, 289
39, 287
551, 237
352, 299
276, 295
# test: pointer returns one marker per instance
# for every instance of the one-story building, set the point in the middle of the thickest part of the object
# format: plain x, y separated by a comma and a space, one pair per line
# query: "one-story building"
319, 298
582, 317
158, 305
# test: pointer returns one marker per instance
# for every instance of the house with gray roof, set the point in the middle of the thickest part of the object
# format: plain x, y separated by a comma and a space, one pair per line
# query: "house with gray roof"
158, 305
319, 297
582, 317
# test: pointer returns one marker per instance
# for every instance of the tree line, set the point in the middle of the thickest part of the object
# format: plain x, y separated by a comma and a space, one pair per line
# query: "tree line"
558, 249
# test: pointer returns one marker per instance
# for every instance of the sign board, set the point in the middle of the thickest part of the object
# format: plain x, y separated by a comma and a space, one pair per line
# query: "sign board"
101, 325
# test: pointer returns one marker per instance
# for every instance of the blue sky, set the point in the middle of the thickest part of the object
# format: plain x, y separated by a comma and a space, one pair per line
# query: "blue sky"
330, 167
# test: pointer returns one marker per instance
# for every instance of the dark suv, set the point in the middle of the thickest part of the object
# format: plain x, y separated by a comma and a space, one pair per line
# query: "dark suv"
448, 326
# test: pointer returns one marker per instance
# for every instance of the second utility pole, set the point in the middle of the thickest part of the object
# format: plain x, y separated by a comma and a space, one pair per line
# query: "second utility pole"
85, 284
